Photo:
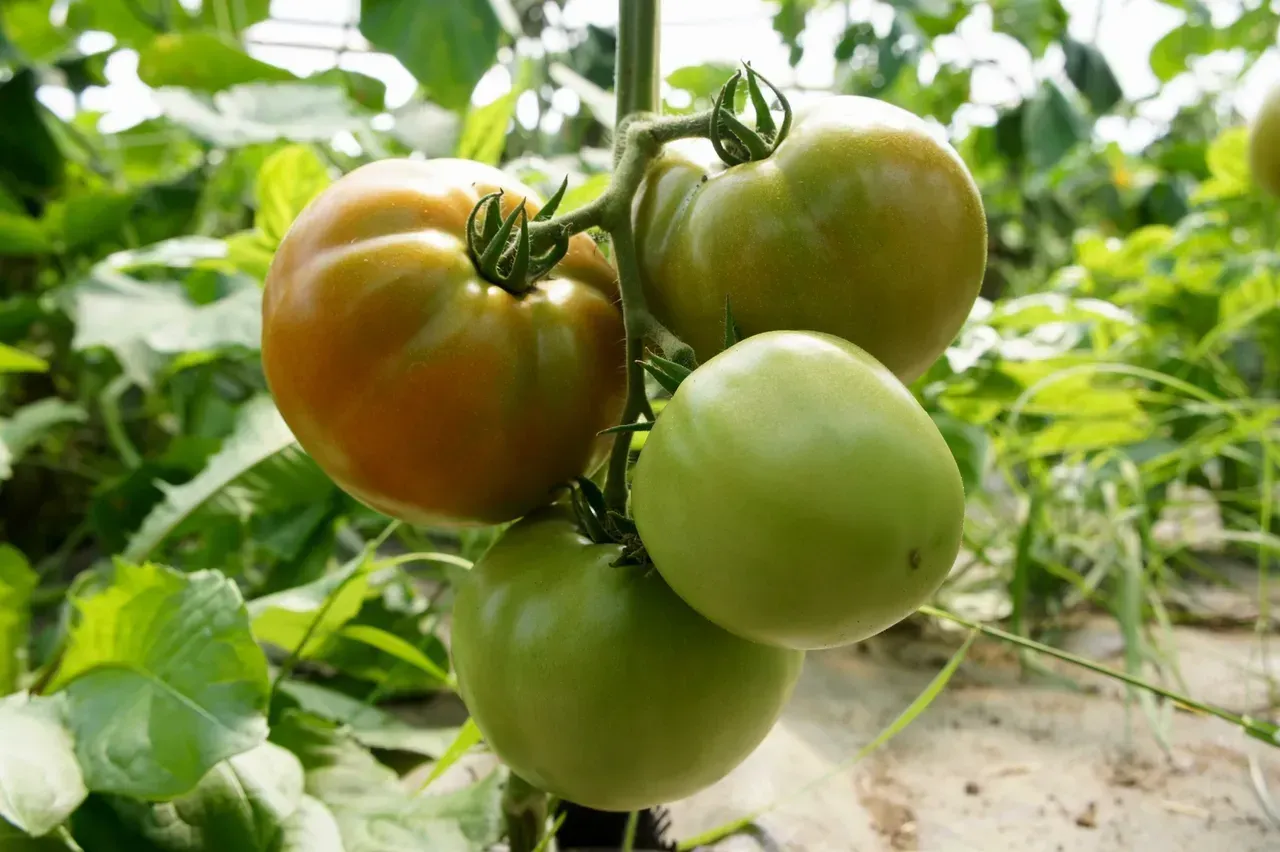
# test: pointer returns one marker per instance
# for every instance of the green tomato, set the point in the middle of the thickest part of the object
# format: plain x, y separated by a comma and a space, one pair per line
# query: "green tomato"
795, 493
861, 224
598, 684
1264, 143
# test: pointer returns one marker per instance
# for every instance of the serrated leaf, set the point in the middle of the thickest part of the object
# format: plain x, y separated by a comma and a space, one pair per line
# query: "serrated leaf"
40, 780
163, 680
260, 434
17, 582
287, 182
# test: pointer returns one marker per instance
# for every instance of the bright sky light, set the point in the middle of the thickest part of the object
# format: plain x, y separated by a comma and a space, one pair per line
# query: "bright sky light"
730, 30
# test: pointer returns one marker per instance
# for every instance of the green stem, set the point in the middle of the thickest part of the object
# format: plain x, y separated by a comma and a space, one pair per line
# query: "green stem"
524, 809
634, 319
1254, 727
637, 62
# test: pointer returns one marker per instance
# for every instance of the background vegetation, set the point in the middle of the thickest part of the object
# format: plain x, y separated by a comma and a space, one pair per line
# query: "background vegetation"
1114, 400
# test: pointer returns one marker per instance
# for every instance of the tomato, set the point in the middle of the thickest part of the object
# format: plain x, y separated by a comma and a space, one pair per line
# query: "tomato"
420, 388
860, 225
795, 493
598, 684
1264, 143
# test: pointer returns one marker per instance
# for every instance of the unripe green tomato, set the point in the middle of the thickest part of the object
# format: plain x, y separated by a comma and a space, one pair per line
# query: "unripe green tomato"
861, 224
1264, 143
795, 493
596, 683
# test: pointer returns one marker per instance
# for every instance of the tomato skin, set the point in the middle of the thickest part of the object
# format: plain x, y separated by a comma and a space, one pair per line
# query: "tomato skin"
420, 388
1264, 143
859, 225
795, 493
597, 683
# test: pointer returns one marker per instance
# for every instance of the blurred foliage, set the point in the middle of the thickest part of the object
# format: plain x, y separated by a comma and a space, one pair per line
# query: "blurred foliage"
1114, 400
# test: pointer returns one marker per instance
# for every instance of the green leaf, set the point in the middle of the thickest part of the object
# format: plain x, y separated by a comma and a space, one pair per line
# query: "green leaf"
1035, 23
90, 217
163, 680
372, 727
392, 644
17, 582
242, 804
1253, 32
21, 235
134, 318
40, 781
312, 828
467, 737
312, 613
375, 812
16, 361
702, 82
1091, 74
584, 193
447, 45
259, 435
14, 840
484, 132
1051, 127
31, 423
202, 61
29, 28
1228, 161
251, 252
262, 112
789, 23
30, 159
287, 182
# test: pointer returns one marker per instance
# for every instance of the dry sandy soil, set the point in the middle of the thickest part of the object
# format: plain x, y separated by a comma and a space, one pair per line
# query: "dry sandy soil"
1002, 762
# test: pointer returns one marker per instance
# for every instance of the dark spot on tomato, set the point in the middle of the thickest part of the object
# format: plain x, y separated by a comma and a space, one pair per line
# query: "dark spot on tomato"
914, 558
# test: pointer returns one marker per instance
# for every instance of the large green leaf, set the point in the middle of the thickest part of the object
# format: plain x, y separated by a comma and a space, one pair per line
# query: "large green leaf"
17, 582
1035, 23
30, 159
259, 435
40, 780
446, 44
1092, 76
28, 26
262, 112
202, 61
134, 22
1252, 32
20, 235
287, 182
242, 804
1051, 127
163, 680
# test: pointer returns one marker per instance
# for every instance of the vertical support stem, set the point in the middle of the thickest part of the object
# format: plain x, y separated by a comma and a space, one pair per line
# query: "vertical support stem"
637, 71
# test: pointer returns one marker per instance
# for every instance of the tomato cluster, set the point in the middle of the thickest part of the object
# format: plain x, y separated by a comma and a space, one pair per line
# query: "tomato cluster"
792, 495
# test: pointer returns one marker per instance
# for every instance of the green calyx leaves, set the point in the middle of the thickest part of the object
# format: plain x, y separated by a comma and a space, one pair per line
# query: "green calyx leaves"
604, 526
502, 249
735, 143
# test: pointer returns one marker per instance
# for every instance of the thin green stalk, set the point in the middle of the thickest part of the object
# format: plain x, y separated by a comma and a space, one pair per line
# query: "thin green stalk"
1256, 728
629, 833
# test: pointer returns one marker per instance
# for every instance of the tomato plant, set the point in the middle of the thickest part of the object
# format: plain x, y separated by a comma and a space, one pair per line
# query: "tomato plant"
859, 224
1264, 143
596, 682
421, 388
794, 492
